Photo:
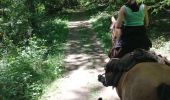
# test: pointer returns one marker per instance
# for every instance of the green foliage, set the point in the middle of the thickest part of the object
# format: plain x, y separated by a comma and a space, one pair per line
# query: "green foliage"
52, 5
112, 8
90, 2
23, 77
159, 29
53, 29
101, 24
55, 33
14, 19
32, 49
158, 7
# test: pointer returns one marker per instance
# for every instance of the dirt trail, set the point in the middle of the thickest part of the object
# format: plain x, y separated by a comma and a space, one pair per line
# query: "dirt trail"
84, 61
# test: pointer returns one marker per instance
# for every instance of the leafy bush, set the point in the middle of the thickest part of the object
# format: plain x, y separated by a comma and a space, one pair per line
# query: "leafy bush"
55, 33
26, 70
53, 30
23, 77
101, 24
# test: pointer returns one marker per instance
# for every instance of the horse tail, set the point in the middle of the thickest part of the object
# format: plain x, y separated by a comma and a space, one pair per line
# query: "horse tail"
163, 91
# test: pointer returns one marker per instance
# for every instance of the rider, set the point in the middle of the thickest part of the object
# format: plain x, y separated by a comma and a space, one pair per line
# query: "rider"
134, 16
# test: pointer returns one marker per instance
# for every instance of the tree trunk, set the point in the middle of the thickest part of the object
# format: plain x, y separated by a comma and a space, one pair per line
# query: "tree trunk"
31, 9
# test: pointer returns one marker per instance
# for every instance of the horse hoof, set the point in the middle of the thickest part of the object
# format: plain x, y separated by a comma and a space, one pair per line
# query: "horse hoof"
100, 98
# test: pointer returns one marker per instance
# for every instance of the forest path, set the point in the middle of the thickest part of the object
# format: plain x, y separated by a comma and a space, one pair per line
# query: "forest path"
84, 60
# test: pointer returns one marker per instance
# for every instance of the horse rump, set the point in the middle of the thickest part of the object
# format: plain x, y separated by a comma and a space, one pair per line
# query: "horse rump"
163, 91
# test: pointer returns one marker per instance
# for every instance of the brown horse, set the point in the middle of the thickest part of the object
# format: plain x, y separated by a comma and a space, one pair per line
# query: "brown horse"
145, 81
115, 34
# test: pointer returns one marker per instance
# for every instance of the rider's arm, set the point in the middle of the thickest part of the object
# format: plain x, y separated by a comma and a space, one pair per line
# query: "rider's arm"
120, 17
146, 19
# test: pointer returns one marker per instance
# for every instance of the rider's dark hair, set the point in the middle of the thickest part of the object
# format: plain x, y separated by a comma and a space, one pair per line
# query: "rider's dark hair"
133, 6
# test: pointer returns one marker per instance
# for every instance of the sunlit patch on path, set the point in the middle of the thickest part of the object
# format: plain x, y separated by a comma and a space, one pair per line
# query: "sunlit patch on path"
74, 24
84, 61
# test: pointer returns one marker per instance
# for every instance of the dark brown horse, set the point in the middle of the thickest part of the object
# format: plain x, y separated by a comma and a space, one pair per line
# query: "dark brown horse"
145, 81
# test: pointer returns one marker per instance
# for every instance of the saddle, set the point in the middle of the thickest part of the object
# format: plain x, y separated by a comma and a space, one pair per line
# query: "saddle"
116, 67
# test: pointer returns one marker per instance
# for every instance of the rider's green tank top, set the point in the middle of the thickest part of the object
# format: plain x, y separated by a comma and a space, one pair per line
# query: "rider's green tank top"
134, 18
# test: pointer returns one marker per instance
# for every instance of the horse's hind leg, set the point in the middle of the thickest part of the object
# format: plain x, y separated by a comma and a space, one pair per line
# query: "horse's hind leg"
163, 91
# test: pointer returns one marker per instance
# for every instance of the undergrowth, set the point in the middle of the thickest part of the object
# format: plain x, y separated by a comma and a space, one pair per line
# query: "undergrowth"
101, 23
25, 71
